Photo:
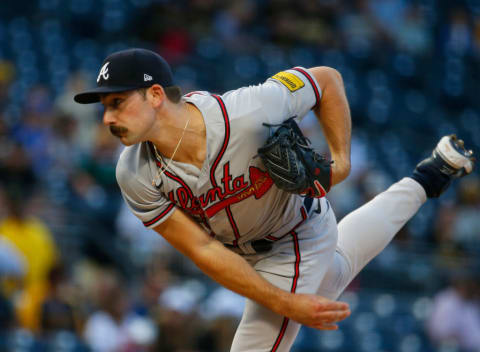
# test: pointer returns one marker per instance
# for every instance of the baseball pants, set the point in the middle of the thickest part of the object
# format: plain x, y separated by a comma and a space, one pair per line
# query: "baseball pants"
323, 257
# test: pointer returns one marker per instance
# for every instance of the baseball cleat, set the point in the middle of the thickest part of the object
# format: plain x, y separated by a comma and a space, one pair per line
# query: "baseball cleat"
448, 161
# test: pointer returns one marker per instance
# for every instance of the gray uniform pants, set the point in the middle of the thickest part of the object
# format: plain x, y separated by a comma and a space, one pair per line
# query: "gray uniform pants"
321, 257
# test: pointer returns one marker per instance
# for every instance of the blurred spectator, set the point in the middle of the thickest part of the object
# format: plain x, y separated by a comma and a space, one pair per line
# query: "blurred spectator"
12, 271
413, 35
455, 318
359, 30
33, 132
16, 172
387, 13
57, 313
61, 147
217, 335
34, 240
12, 262
7, 320
7, 73
458, 32
476, 36
86, 120
156, 279
466, 226
100, 164
458, 225
221, 311
59, 153
177, 317
229, 23
106, 329
142, 243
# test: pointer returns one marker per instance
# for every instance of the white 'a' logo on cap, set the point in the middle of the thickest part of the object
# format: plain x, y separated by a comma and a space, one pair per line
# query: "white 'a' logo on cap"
103, 72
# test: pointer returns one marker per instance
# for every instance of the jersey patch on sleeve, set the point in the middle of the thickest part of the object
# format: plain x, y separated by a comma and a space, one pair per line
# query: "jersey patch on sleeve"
289, 80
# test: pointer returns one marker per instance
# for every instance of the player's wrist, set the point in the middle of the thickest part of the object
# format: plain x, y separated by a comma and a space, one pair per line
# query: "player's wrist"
340, 169
283, 303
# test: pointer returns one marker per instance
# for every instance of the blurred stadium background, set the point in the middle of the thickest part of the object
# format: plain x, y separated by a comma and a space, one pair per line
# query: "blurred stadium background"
79, 273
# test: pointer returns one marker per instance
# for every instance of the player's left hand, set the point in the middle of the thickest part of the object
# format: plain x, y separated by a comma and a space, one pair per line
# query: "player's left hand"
317, 312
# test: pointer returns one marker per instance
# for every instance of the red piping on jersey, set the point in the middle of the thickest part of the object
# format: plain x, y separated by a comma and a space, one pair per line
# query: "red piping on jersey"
185, 186
312, 82
225, 140
193, 93
233, 224
279, 338
304, 217
161, 215
176, 178
192, 198
179, 180
297, 261
217, 160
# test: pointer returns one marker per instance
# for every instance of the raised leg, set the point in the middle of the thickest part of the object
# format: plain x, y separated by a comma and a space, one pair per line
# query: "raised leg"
365, 232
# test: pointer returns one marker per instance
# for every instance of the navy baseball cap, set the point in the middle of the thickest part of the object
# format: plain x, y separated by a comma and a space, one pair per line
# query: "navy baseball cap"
128, 70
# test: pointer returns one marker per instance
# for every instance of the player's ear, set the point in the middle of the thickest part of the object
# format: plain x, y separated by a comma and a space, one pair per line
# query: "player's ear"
156, 95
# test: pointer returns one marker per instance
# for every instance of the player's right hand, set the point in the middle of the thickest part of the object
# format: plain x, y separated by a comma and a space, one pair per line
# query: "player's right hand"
317, 312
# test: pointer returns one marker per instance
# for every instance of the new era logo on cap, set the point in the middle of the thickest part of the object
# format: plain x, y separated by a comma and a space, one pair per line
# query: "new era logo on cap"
147, 77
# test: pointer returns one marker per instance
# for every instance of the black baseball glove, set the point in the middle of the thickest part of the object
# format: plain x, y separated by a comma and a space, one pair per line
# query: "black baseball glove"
292, 164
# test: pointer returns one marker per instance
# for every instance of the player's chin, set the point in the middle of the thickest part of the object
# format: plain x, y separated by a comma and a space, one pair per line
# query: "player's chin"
127, 140
326, 327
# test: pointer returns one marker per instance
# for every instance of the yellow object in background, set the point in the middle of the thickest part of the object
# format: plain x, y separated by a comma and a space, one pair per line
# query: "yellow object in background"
34, 240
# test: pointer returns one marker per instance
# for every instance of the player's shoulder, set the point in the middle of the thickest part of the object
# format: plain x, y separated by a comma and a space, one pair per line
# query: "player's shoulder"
202, 99
293, 80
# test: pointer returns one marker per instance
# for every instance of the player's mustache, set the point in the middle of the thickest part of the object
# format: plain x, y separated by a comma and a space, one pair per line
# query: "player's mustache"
118, 131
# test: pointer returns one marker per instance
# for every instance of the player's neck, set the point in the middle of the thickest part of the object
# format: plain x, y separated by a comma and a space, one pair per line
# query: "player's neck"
183, 136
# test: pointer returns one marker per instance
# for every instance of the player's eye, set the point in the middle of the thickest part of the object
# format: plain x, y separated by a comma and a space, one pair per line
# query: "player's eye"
116, 102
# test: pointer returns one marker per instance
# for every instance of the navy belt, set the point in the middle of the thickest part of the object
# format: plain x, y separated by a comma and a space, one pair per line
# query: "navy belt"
263, 245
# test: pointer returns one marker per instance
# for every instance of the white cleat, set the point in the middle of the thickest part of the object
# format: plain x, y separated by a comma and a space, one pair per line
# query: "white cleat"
449, 160
452, 151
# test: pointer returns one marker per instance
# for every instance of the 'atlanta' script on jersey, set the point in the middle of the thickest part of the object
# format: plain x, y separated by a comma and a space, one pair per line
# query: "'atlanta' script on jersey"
233, 190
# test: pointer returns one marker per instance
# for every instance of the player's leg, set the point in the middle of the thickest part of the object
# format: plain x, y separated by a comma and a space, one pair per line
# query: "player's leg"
297, 264
261, 330
365, 232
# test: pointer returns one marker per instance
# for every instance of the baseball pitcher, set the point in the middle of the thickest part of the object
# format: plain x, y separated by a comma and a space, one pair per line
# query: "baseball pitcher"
230, 181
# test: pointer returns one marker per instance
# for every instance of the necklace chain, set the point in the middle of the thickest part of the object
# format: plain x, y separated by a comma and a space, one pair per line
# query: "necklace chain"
158, 156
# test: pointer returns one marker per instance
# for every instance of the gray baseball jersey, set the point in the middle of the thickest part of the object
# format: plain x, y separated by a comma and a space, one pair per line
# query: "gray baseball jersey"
235, 200
232, 196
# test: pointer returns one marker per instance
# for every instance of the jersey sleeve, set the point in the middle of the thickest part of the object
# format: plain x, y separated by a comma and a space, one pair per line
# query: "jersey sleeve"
293, 92
143, 199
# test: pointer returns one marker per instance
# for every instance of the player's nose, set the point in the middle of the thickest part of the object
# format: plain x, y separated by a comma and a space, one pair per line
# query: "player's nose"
108, 118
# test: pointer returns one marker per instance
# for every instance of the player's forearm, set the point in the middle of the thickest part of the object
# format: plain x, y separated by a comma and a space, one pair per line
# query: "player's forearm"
227, 268
233, 272
334, 116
